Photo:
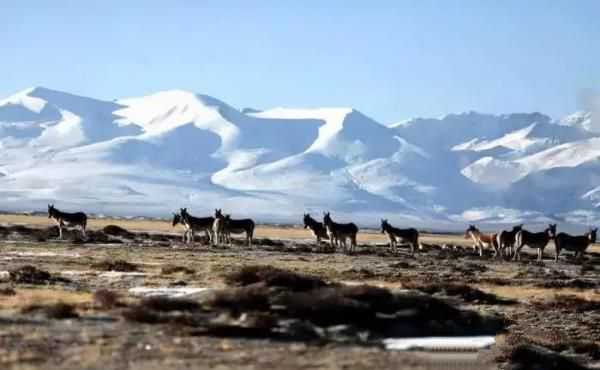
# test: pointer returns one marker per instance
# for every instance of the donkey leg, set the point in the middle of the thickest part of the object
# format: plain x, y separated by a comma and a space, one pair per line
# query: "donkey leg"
60, 232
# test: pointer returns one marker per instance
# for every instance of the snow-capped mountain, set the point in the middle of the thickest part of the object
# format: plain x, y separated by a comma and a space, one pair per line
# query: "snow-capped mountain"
151, 155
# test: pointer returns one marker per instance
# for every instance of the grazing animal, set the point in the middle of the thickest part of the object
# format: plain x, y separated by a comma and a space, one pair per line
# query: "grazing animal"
64, 219
577, 244
194, 224
317, 228
232, 226
410, 236
481, 240
341, 232
506, 240
534, 240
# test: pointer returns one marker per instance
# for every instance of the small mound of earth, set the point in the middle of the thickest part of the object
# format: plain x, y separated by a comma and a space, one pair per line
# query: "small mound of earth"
465, 292
32, 275
115, 230
532, 357
116, 265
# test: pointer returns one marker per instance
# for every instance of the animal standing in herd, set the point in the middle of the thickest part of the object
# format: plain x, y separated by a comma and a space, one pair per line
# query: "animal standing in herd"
577, 244
340, 232
193, 224
410, 236
534, 240
63, 219
318, 229
481, 240
219, 229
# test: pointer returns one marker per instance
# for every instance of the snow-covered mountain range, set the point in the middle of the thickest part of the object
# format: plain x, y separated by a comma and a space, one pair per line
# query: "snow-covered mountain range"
153, 154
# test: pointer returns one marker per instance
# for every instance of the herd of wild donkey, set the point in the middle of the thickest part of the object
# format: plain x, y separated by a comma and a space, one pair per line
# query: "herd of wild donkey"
220, 227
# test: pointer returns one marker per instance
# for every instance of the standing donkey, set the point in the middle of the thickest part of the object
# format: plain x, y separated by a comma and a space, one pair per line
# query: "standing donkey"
242, 226
577, 244
64, 219
534, 240
506, 240
317, 228
193, 224
341, 232
218, 228
481, 240
410, 236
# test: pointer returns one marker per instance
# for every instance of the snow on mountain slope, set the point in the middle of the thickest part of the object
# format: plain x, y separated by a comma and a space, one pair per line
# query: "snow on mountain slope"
152, 154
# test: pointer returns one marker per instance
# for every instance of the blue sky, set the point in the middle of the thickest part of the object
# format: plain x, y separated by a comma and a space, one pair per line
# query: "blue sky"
390, 59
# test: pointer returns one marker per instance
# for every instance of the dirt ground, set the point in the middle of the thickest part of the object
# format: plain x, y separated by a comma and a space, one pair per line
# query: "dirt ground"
555, 306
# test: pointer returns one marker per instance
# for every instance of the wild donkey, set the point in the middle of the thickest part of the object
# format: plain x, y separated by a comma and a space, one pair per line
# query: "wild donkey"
482, 240
245, 225
64, 219
410, 236
577, 244
341, 232
224, 226
193, 224
218, 228
317, 228
506, 240
534, 240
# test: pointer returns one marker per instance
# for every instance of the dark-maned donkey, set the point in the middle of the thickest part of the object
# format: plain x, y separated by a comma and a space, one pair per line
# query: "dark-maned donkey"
341, 232
481, 240
410, 236
64, 219
193, 224
577, 244
245, 225
218, 228
506, 240
317, 228
534, 240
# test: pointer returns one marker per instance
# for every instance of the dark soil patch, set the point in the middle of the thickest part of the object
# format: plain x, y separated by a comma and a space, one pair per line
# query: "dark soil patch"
173, 269
465, 292
164, 304
272, 276
115, 230
532, 357
54, 311
569, 283
7, 291
567, 302
32, 275
106, 299
116, 265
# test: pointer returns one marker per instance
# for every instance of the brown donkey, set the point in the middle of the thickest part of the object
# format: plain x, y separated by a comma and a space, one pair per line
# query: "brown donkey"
481, 240
317, 228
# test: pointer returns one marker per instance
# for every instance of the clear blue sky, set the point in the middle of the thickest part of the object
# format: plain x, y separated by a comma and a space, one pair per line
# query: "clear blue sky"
390, 59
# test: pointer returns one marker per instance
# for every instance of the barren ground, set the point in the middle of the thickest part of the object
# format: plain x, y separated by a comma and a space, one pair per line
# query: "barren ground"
553, 305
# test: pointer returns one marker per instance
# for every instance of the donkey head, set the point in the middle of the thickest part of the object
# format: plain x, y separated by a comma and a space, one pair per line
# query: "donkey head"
218, 213
517, 228
306, 220
176, 219
327, 218
470, 230
384, 225
592, 234
551, 230
50, 210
